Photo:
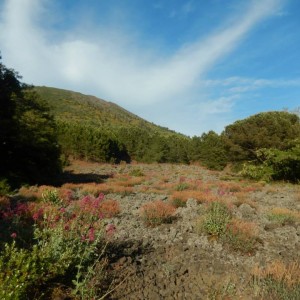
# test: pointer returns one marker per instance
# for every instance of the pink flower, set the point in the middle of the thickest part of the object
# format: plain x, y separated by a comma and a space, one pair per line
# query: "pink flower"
13, 235
110, 229
91, 234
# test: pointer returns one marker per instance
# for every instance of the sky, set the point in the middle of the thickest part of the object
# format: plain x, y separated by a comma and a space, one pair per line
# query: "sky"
189, 65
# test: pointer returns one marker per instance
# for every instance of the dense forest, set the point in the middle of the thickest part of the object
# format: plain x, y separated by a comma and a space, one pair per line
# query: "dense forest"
41, 128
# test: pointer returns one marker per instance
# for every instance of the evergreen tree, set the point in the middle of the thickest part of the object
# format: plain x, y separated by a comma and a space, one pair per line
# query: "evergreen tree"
29, 152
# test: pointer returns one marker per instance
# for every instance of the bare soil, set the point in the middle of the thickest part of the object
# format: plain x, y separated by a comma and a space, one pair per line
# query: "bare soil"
176, 261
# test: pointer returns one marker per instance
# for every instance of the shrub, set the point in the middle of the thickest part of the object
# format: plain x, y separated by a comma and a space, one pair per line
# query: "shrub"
278, 280
283, 216
241, 235
182, 186
216, 219
68, 242
177, 202
157, 212
136, 172
5, 188
110, 208
275, 164
257, 172
51, 196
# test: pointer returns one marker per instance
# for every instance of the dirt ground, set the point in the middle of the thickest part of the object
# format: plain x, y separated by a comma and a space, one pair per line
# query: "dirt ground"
177, 260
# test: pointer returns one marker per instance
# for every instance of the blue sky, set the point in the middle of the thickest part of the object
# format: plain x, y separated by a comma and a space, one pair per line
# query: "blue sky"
190, 65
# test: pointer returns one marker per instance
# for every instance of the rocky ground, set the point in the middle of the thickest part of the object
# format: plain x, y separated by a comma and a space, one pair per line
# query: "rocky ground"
176, 260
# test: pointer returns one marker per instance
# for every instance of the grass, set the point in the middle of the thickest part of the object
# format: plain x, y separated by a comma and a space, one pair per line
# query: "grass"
283, 216
278, 280
157, 212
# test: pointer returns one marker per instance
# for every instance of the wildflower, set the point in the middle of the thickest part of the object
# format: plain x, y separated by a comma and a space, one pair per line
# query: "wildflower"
37, 214
101, 196
110, 229
91, 234
13, 235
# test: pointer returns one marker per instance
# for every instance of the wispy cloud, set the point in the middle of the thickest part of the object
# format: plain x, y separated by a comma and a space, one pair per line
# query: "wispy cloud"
111, 65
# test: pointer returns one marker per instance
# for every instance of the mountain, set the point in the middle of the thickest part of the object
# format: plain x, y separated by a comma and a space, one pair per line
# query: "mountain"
96, 129
66, 104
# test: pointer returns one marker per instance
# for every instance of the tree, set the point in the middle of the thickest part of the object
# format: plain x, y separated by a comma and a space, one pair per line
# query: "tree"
264, 130
209, 150
29, 152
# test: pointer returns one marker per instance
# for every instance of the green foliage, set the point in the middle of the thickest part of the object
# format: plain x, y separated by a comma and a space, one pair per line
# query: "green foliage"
182, 186
51, 196
88, 142
257, 172
102, 131
209, 150
20, 270
275, 164
282, 218
29, 152
137, 172
62, 247
177, 202
216, 219
265, 130
5, 188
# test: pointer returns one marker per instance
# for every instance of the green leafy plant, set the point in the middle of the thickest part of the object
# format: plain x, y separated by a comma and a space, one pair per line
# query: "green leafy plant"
5, 188
136, 172
177, 202
182, 186
51, 196
216, 219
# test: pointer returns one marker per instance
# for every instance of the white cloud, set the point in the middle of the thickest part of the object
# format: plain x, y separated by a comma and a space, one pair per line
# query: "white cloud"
112, 66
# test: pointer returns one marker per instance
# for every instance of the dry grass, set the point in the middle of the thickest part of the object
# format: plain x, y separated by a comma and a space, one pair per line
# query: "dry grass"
242, 235
110, 208
157, 212
4, 201
199, 196
284, 215
289, 274
242, 198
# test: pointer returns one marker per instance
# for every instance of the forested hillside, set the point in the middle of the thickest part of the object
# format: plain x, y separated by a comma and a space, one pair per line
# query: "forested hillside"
91, 128
42, 127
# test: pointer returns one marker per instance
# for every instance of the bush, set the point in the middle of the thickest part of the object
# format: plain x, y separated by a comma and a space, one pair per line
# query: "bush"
68, 242
216, 219
157, 212
5, 188
257, 172
275, 164
241, 235
278, 281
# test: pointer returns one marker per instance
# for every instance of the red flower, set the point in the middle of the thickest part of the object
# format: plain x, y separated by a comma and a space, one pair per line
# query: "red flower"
92, 234
13, 235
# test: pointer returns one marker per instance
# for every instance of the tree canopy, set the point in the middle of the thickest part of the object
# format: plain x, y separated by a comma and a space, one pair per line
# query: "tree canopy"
29, 152
274, 129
